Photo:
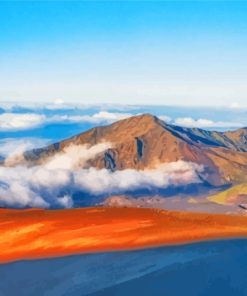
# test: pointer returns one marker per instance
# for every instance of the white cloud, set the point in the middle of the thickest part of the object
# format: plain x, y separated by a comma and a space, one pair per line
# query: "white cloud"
59, 105
104, 117
21, 121
59, 102
11, 147
18, 194
33, 187
235, 105
204, 123
164, 175
165, 118
12, 121
17, 121
110, 117
54, 183
97, 118
75, 156
46, 185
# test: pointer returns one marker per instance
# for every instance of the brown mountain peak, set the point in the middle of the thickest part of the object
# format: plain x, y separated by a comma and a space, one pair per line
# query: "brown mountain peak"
138, 121
125, 129
144, 141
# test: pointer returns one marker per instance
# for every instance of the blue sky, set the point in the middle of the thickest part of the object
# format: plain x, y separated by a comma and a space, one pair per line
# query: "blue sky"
135, 52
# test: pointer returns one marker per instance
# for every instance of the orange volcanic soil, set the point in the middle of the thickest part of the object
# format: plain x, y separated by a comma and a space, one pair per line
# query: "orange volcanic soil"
29, 234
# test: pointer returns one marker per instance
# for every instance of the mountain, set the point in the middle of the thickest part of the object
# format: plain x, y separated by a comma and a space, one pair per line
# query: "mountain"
144, 141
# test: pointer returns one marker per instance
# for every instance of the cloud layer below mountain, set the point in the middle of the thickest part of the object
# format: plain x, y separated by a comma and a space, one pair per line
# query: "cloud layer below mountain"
54, 183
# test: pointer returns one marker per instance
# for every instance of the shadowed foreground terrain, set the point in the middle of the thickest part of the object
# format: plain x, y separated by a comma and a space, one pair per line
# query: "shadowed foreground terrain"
200, 269
28, 234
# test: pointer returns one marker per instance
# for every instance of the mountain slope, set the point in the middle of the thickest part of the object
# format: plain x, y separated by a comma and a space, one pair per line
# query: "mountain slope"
145, 141
236, 195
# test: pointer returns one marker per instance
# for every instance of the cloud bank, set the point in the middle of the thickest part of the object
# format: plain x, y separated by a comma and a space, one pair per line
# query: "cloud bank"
24, 121
97, 118
164, 175
204, 123
15, 121
54, 183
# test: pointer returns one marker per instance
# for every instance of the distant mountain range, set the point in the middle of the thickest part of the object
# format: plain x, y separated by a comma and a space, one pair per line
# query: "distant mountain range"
143, 141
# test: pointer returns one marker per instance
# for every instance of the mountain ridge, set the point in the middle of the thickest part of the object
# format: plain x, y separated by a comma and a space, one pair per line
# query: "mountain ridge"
143, 141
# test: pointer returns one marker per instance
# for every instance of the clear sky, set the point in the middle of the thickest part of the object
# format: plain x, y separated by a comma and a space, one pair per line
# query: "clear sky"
139, 52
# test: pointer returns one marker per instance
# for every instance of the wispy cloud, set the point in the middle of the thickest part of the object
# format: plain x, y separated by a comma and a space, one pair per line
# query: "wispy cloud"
31, 116
75, 156
13, 121
165, 118
17, 121
60, 104
205, 123
97, 118
11, 147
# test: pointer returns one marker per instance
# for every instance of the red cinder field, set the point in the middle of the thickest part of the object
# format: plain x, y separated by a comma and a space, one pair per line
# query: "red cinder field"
36, 233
